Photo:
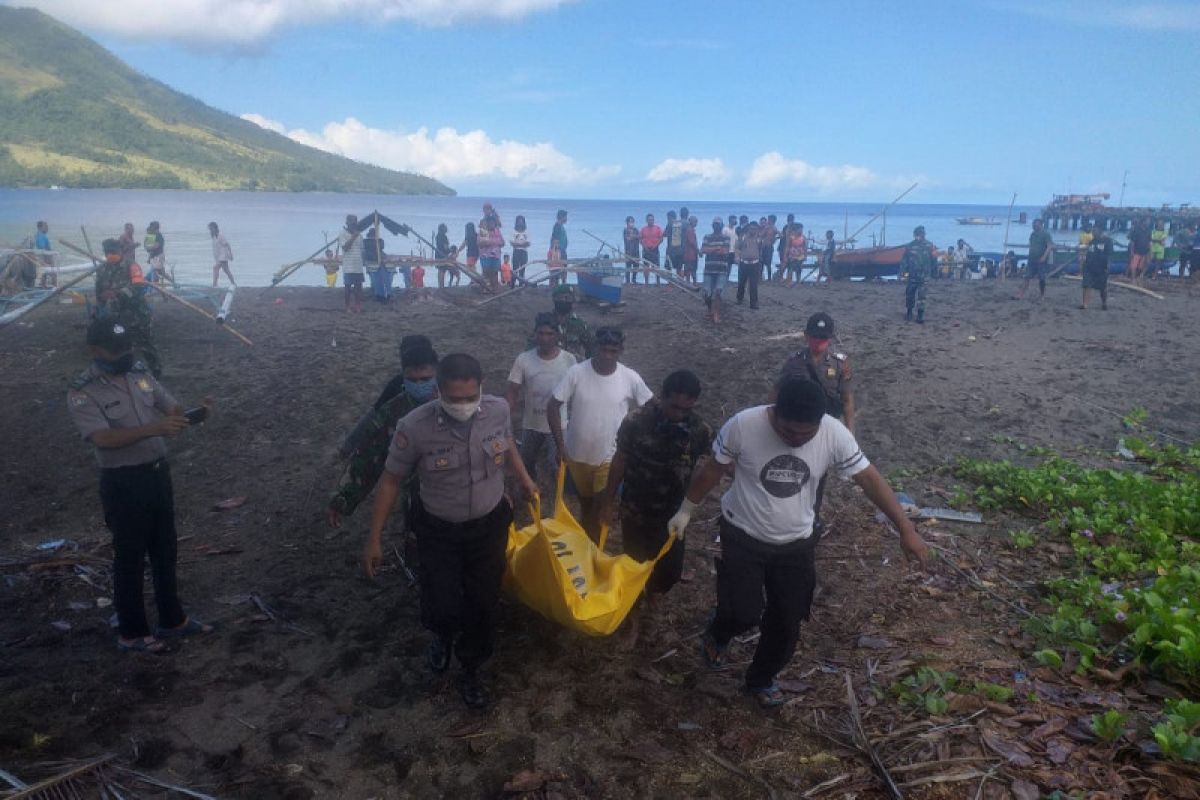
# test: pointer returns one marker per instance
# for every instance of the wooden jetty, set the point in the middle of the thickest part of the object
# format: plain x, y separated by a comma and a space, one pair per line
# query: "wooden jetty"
1071, 211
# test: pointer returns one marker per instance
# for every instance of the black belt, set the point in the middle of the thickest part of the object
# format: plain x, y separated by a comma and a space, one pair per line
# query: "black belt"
151, 466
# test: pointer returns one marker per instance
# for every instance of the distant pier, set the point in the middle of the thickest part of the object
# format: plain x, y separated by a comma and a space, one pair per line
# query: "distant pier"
1072, 211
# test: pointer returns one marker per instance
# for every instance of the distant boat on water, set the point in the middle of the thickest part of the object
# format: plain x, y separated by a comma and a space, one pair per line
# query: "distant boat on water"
977, 221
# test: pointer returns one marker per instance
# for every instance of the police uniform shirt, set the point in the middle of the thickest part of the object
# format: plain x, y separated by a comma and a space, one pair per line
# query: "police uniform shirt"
460, 465
98, 401
831, 371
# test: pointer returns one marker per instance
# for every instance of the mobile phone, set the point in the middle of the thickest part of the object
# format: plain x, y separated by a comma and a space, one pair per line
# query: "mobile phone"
196, 415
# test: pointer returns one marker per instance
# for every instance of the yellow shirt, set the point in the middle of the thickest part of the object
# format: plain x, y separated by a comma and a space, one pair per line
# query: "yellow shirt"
1085, 238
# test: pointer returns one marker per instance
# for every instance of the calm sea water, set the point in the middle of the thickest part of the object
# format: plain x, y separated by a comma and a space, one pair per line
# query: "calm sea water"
269, 230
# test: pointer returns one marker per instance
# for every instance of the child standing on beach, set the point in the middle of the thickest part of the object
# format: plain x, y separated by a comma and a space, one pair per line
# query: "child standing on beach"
506, 272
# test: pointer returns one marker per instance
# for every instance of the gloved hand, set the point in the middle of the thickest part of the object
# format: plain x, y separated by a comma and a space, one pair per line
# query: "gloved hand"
683, 516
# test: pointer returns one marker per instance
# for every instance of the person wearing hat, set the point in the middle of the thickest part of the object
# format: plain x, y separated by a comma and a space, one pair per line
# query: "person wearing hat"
120, 299
776, 455
574, 335
366, 447
125, 413
917, 264
828, 369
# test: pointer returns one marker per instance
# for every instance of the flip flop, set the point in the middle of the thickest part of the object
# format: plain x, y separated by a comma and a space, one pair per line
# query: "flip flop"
190, 627
146, 644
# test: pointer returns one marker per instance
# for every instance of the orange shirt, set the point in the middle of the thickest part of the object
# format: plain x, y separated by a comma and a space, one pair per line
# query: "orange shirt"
417, 275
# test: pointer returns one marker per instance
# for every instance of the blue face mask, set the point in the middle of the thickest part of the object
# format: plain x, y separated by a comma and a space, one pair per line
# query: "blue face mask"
422, 391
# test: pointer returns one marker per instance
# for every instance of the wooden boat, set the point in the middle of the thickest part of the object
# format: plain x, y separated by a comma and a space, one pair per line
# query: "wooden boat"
867, 262
978, 221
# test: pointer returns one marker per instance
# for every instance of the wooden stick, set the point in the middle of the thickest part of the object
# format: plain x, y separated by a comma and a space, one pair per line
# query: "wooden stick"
16, 314
1007, 225
866, 224
648, 266
40, 787
864, 743
280, 276
1123, 285
198, 310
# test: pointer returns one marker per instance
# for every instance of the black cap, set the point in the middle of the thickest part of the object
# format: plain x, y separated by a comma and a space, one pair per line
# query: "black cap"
820, 326
110, 335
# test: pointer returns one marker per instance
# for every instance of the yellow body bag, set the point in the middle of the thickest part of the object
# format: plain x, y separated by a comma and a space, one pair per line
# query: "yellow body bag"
555, 569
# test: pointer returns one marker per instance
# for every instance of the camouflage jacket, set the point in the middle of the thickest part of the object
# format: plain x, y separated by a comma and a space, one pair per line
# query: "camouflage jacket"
918, 261
659, 458
366, 449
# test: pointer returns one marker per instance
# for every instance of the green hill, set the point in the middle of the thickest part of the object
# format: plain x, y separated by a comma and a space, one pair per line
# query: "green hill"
73, 114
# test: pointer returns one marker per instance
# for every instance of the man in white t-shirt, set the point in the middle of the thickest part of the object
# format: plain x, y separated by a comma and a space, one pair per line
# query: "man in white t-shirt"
598, 393
531, 381
777, 455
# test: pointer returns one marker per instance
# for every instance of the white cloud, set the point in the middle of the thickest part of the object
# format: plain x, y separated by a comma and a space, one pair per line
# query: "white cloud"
772, 169
247, 22
447, 154
1164, 17
690, 171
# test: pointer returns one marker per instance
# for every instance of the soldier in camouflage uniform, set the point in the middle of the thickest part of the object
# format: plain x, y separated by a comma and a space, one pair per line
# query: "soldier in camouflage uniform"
658, 447
366, 447
576, 337
918, 264
119, 298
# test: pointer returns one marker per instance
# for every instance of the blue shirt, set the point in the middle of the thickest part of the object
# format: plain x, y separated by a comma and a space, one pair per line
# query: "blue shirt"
41, 241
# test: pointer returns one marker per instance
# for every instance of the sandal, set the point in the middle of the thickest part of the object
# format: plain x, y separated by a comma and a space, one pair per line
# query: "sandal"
190, 627
714, 654
768, 696
146, 644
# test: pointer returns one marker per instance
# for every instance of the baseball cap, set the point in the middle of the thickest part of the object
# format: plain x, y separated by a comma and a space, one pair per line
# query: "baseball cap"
820, 326
110, 335
563, 290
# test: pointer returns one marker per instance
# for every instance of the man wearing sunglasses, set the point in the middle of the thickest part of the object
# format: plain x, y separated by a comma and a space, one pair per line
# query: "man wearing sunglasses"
598, 393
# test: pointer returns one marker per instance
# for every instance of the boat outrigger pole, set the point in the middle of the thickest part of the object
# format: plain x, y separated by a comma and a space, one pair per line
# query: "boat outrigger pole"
867, 224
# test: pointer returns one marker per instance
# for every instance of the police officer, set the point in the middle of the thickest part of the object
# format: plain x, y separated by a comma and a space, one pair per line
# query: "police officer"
121, 300
829, 369
917, 264
459, 447
576, 337
124, 412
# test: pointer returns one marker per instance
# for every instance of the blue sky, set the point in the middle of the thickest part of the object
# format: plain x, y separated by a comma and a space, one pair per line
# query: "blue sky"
613, 98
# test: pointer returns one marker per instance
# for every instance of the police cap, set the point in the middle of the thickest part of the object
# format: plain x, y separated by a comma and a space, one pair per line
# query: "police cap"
820, 326
109, 335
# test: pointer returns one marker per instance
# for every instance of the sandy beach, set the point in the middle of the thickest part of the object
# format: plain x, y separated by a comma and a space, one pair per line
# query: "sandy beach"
314, 684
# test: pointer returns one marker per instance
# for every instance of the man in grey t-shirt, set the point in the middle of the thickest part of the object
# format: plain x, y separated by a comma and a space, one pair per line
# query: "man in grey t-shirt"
531, 382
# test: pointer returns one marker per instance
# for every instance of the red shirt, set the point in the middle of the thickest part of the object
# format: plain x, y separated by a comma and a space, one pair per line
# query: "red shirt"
418, 277
651, 237
691, 250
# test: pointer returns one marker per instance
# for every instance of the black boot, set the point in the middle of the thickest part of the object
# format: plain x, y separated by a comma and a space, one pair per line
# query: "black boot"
921, 316
908, 314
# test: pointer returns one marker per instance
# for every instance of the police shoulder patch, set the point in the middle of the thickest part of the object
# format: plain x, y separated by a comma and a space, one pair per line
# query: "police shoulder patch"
78, 398
400, 441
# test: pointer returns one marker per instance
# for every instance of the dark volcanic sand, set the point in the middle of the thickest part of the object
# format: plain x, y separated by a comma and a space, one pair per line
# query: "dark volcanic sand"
340, 703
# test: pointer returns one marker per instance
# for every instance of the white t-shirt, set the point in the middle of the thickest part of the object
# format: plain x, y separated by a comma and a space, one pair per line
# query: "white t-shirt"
596, 405
775, 486
352, 259
538, 377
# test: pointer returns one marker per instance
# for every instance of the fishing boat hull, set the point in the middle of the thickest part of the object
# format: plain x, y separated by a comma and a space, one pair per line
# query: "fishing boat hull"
867, 262
601, 286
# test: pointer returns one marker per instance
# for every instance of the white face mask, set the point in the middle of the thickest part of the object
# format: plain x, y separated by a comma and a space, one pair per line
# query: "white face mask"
461, 411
